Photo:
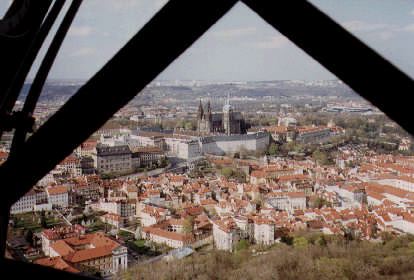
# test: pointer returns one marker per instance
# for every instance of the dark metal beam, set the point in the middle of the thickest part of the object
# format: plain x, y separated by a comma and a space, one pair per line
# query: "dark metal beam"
4, 222
17, 32
357, 65
13, 91
41, 75
21, 270
168, 34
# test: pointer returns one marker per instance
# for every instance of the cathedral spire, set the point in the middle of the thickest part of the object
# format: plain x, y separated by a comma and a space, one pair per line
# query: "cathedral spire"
227, 107
209, 115
200, 112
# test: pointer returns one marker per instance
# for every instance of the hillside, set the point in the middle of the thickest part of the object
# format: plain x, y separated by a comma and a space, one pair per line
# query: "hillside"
308, 258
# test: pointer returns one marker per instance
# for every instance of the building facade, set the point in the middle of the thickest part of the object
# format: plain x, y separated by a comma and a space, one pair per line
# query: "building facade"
222, 144
112, 159
228, 121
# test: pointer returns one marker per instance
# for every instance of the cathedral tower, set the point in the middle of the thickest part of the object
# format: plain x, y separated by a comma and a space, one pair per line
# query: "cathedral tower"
227, 116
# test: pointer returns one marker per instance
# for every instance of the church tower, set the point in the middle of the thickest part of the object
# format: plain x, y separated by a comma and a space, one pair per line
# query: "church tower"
204, 119
227, 116
200, 117
200, 112
208, 118
209, 114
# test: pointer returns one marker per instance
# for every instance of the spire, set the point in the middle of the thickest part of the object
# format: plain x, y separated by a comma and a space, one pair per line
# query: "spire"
209, 115
227, 107
200, 111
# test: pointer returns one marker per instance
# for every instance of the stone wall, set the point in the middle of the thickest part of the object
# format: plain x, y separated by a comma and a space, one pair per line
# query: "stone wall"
219, 145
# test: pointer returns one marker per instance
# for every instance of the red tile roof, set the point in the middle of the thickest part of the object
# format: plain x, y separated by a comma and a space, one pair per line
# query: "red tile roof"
87, 254
57, 190
56, 263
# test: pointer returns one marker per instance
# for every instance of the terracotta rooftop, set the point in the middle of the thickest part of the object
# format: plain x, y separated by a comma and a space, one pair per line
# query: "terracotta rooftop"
57, 190
168, 234
56, 263
87, 254
62, 248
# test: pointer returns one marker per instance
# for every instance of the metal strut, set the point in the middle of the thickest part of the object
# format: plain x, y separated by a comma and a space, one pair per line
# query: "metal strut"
9, 96
41, 76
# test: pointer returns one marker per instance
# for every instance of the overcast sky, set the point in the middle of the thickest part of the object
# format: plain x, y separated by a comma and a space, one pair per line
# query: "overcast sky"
241, 46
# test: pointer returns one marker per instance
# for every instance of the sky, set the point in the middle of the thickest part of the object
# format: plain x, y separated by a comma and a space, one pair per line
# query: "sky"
239, 47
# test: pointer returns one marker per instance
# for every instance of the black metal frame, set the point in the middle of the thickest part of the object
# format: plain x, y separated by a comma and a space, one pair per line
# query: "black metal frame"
168, 34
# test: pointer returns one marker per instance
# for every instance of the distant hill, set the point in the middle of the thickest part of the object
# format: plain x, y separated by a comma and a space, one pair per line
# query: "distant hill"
58, 90
54, 90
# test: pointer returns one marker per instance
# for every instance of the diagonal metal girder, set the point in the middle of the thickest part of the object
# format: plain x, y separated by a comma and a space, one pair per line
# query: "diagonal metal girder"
340, 52
168, 34
163, 39
357, 65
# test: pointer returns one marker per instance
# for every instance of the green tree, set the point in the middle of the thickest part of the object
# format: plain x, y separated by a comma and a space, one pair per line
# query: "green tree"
188, 225
242, 245
320, 202
189, 126
300, 242
163, 162
273, 149
43, 222
29, 236
320, 157
227, 172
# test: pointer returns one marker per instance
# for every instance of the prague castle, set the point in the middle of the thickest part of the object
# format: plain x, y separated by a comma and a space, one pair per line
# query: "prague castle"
227, 122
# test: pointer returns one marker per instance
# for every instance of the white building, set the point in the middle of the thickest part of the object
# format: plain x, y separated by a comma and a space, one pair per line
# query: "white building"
404, 183
313, 134
169, 238
183, 147
122, 208
25, 204
114, 159
58, 196
225, 234
286, 200
264, 231
219, 145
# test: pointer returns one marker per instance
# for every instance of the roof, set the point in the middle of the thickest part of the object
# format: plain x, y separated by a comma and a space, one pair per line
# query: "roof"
62, 248
168, 234
226, 225
87, 254
96, 239
63, 232
101, 246
276, 129
57, 190
236, 137
148, 149
307, 129
56, 263
112, 150
71, 159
